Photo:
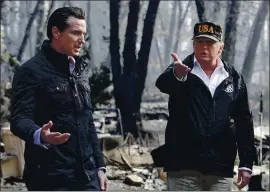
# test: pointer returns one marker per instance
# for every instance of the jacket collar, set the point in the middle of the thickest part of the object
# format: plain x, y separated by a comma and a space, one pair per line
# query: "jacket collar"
58, 59
189, 61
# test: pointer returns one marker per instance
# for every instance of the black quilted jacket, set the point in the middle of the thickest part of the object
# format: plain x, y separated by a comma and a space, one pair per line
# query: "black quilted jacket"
43, 90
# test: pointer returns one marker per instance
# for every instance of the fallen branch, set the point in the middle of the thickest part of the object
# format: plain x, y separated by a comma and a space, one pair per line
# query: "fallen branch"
113, 161
124, 159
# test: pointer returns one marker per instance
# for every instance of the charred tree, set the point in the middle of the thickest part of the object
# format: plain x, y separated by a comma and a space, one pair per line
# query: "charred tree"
170, 37
43, 28
143, 55
27, 31
129, 53
89, 30
41, 20
129, 58
129, 84
114, 52
230, 31
179, 26
248, 64
160, 61
216, 10
201, 10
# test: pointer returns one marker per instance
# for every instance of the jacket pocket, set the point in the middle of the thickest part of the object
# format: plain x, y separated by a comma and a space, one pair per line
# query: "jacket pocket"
85, 94
58, 93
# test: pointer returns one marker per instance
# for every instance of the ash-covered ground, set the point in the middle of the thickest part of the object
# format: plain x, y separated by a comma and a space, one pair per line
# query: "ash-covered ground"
147, 178
120, 180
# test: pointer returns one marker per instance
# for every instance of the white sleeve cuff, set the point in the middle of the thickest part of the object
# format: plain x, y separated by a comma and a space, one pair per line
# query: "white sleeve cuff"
245, 168
102, 168
182, 79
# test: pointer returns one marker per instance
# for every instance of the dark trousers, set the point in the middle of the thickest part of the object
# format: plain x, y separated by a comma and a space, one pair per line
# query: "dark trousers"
92, 185
53, 182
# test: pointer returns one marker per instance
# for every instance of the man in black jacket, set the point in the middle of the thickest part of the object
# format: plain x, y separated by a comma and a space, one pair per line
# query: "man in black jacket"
51, 111
205, 93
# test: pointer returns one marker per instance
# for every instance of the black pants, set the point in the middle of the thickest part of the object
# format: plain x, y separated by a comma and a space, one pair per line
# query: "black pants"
92, 185
54, 182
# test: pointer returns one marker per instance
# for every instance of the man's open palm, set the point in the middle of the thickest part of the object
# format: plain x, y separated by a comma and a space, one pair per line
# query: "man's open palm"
54, 138
180, 69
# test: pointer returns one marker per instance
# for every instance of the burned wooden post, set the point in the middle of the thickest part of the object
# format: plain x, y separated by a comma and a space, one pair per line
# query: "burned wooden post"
261, 122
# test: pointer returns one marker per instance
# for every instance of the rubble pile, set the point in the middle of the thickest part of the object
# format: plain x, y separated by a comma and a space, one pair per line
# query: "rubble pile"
132, 164
146, 179
129, 162
12, 184
121, 179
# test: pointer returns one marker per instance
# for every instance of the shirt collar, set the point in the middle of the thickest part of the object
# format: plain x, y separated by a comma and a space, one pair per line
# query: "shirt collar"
219, 65
71, 60
71, 63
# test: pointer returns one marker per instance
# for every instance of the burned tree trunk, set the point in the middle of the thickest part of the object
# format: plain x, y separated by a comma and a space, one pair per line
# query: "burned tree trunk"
89, 51
180, 16
216, 11
114, 50
160, 61
230, 31
201, 10
251, 50
129, 57
129, 85
27, 31
129, 53
179, 27
41, 20
170, 37
143, 55
43, 30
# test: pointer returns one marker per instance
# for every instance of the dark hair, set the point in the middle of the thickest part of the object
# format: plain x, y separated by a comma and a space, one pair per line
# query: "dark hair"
60, 16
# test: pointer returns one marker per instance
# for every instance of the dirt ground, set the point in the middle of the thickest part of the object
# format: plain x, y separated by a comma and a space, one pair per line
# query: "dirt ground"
115, 185
157, 128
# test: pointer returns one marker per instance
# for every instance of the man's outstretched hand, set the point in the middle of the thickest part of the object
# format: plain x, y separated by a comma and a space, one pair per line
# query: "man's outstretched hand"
54, 138
180, 69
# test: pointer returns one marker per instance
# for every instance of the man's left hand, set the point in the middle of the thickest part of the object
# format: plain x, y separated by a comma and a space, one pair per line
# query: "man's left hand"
104, 182
243, 178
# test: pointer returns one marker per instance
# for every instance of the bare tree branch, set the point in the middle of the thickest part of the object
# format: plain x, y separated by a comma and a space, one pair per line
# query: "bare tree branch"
159, 54
170, 38
201, 10
89, 30
230, 31
251, 50
27, 31
41, 18
114, 51
1, 3
129, 52
161, 21
216, 11
143, 55
44, 27
179, 27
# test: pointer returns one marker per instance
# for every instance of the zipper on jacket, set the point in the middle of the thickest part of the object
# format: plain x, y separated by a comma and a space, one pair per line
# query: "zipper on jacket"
221, 84
199, 79
75, 93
